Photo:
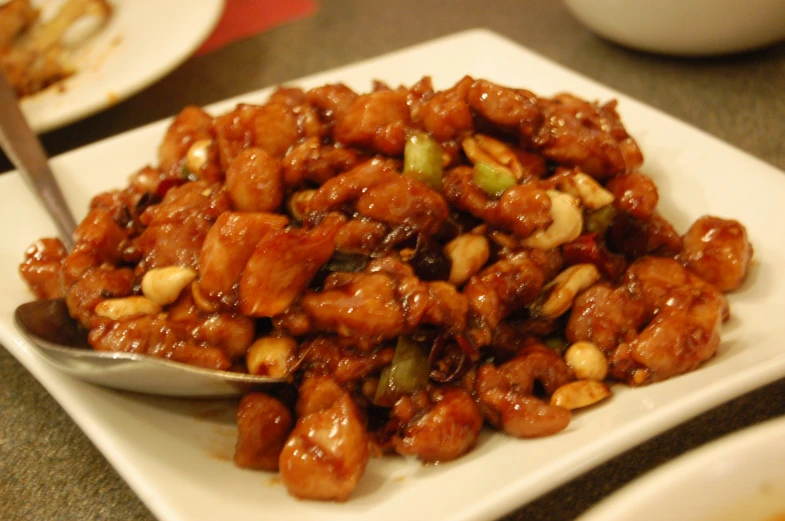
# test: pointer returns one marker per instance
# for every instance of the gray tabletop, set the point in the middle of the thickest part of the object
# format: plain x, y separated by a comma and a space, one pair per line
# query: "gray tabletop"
49, 470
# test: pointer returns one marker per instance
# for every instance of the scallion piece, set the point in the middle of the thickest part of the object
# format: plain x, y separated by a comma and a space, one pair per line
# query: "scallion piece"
492, 179
422, 160
600, 220
407, 373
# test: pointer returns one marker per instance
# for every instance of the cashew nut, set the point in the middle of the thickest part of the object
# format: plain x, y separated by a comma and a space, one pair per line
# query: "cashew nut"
565, 287
566, 225
198, 154
587, 189
298, 204
468, 253
126, 307
485, 149
271, 356
163, 285
580, 393
587, 361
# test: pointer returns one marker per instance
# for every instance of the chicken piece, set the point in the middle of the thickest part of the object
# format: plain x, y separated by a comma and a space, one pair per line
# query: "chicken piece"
254, 181
230, 332
41, 268
317, 163
447, 115
282, 265
155, 336
578, 133
497, 290
686, 314
377, 191
521, 209
360, 236
440, 426
718, 251
384, 301
177, 227
271, 127
634, 193
404, 202
339, 358
377, 121
263, 426
513, 109
607, 316
506, 393
93, 286
100, 236
227, 248
357, 304
332, 101
344, 189
327, 452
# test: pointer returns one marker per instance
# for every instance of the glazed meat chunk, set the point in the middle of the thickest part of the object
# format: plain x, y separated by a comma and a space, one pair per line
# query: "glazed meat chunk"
227, 248
263, 425
281, 267
177, 227
327, 451
377, 121
272, 127
41, 268
446, 114
575, 133
254, 181
684, 316
718, 251
438, 426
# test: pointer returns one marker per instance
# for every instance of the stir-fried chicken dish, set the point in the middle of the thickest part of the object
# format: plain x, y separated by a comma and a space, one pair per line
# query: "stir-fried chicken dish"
33, 53
418, 264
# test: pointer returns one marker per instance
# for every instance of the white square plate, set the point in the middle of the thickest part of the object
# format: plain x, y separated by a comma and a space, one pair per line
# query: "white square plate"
176, 455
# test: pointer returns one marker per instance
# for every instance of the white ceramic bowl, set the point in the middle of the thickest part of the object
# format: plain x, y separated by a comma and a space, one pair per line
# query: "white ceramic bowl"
740, 476
684, 27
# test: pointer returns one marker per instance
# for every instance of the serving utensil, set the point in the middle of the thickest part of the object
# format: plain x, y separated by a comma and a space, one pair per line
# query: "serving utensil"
60, 339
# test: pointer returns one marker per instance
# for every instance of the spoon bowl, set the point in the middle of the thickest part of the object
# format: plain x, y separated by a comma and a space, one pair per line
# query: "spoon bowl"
60, 339
63, 342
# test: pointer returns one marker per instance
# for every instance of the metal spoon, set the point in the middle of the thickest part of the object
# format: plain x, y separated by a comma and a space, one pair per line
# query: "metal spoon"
47, 324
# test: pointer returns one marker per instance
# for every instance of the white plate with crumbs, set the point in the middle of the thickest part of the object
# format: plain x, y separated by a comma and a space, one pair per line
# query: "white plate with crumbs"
143, 41
739, 476
176, 455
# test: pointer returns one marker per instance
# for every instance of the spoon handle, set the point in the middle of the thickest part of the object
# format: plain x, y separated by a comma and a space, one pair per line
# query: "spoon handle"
22, 147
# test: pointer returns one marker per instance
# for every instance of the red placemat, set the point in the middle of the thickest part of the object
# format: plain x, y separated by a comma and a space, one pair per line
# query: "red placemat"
244, 18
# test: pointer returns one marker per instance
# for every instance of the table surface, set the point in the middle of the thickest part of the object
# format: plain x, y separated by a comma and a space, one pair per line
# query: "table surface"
50, 470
